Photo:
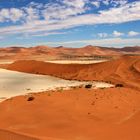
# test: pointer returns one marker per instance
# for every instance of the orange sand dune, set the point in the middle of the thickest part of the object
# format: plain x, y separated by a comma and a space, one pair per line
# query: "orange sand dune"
124, 70
102, 114
79, 114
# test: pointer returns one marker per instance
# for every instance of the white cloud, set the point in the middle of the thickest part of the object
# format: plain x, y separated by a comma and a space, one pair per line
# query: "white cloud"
24, 14
117, 34
75, 3
106, 2
4, 13
47, 34
66, 9
96, 3
114, 2
31, 15
38, 34
119, 2
12, 14
133, 33
109, 42
55, 16
103, 35
15, 14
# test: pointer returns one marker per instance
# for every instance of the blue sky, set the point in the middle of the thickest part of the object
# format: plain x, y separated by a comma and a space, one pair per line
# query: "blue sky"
71, 23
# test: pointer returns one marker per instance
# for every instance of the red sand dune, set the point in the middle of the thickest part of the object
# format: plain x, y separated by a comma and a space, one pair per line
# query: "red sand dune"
103, 114
79, 114
124, 70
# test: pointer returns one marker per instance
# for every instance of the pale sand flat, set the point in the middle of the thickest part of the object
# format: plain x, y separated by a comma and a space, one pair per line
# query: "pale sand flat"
76, 61
64, 61
17, 83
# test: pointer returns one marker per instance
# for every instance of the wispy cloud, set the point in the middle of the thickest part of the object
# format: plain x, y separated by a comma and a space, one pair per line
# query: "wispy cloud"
102, 35
12, 14
64, 15
48, 33
115, 2
117, 34
133, 33
109, 42
96, 3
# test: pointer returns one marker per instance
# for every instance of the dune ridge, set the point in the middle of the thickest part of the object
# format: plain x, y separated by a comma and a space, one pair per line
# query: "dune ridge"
125, 70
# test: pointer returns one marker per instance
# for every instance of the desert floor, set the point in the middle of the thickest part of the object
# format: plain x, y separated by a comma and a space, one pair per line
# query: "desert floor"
79, 113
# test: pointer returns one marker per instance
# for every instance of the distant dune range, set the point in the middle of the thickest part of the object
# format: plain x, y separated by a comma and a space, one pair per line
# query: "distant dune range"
54, 53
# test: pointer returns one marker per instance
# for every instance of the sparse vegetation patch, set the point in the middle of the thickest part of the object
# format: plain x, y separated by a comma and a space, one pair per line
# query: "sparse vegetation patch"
31, 98
119, 85
88, 86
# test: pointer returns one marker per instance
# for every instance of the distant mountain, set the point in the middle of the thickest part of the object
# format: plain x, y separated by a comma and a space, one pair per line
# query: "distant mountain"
61, 52
131, 49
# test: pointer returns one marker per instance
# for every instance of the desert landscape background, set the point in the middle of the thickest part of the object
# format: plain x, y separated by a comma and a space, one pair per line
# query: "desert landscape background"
108, 109
45, 53
69, 69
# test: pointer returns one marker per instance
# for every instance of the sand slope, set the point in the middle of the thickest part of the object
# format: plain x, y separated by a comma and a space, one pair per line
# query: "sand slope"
79, 114
102, 114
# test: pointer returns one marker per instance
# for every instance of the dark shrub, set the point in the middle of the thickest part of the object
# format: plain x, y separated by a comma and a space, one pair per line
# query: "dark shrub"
119, 85
31, 98
88, 86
